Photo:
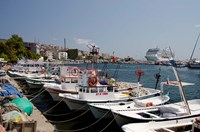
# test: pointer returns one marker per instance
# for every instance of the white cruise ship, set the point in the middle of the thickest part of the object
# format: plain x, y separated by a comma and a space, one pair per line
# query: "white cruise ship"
155, 54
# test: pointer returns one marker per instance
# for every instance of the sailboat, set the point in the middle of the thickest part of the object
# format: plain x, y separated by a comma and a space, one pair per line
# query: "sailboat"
174, 111
194, 63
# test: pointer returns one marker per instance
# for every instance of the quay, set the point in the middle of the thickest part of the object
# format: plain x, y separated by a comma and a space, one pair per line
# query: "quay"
42, 124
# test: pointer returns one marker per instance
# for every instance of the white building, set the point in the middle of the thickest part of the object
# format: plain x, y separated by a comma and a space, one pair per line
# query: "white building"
62, 55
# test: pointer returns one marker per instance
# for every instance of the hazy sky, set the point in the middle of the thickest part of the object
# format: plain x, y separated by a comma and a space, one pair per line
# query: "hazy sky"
127, 27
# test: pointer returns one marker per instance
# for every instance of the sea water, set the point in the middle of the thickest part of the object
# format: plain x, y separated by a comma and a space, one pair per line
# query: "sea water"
66, 120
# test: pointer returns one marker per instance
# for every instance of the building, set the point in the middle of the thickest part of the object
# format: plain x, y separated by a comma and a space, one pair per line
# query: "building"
34, 47
62, 55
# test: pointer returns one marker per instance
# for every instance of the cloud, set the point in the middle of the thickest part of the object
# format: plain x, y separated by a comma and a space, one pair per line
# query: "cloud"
197, 26
54, 39
83, 41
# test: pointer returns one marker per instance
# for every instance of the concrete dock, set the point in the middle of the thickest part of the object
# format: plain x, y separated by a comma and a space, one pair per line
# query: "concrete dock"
42, 123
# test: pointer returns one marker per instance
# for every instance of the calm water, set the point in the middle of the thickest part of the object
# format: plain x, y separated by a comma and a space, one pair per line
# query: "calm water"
66, 120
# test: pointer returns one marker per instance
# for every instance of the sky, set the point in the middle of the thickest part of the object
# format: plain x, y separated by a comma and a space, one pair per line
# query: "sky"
123, 27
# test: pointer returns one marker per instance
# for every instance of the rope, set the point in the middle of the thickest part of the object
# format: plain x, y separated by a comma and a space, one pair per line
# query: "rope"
37, 95
69, 119
66, 113
81, 129
109, 123
53, 106
33, 93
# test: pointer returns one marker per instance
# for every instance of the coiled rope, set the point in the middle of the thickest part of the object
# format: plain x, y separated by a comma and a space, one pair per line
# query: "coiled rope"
81, 129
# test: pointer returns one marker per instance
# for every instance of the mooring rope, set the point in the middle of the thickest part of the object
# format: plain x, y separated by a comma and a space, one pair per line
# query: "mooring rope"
69, 119
37, 95
65, 113
109, 123
81, 129
33, 93
53, 106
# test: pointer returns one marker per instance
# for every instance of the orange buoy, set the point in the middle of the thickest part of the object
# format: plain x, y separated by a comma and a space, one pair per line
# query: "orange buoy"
92, 81
149, 104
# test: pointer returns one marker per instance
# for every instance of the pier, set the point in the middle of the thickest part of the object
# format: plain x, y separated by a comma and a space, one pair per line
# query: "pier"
42, 124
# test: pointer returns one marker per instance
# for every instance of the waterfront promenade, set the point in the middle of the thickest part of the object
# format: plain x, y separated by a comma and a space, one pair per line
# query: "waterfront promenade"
42, 123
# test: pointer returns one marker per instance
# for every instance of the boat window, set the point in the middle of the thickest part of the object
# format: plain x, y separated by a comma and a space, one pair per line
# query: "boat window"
110, 88
66, 80
144, 115
74, 80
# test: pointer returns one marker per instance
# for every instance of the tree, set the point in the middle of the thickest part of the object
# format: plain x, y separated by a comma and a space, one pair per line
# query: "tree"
72, 54
16, 45
14, 49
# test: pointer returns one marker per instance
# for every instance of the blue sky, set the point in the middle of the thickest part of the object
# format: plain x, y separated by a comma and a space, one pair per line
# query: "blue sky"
127, 27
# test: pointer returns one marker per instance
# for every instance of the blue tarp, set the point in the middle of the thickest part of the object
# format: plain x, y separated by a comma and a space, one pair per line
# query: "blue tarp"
9, 89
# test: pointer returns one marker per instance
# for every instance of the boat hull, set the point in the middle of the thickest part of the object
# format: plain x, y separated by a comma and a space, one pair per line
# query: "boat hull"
132, 116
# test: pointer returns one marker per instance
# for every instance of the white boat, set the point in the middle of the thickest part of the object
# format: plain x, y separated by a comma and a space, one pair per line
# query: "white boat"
92, 89
180, 110
98, 93
67, 83
100, 110
37, 83
155, 54
194, 63
153, 126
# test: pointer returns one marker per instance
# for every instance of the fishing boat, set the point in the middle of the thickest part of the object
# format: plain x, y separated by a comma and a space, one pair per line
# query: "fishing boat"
93, 90
37, 83
70, 77
98, 94
173, 111
153, 126
100, 110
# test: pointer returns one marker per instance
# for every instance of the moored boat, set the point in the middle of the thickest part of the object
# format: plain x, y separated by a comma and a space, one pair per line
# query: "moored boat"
100, 110
168, 112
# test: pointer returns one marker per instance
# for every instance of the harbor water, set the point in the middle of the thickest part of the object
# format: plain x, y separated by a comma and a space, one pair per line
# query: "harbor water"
66, 120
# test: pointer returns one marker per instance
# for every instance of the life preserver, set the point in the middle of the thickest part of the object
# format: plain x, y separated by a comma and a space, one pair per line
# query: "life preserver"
149, 104
42, 71
75, 71
92, 80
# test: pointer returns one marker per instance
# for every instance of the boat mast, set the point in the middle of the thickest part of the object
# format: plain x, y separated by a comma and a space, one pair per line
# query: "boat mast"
194, 47
172, 62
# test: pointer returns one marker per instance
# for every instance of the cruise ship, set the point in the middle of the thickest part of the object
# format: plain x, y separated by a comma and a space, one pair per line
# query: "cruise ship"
155, 55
